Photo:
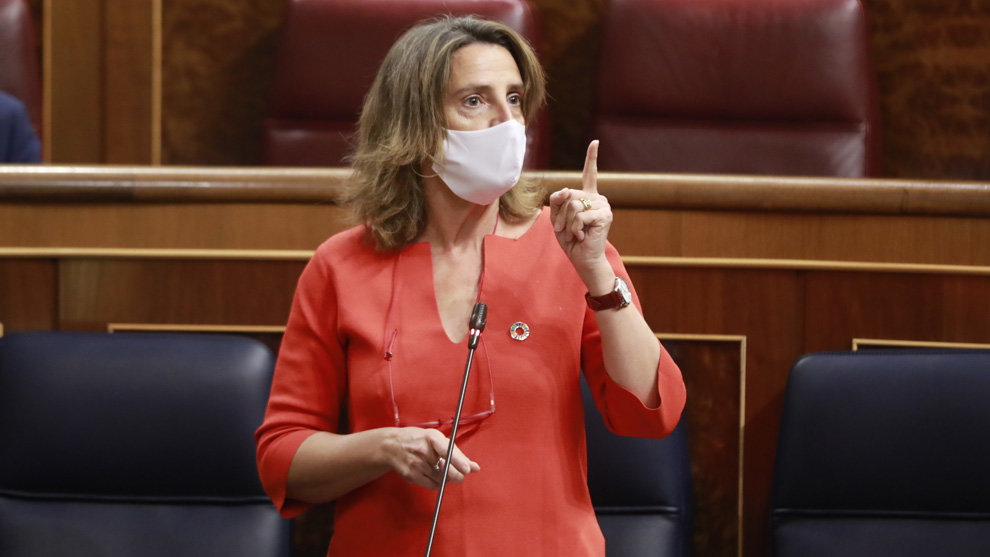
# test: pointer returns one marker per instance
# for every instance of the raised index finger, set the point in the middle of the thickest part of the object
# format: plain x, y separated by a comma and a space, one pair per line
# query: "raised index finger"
589, 178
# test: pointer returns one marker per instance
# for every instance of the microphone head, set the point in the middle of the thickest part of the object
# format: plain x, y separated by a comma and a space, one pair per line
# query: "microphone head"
478, 316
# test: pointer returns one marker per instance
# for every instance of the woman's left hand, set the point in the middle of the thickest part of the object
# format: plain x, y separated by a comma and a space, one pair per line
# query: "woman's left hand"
581, 218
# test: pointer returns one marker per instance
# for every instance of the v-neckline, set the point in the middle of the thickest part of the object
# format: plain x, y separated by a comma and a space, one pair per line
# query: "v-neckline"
487, 244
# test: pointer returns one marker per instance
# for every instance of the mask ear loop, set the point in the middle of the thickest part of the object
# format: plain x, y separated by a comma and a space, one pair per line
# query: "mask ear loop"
433, 159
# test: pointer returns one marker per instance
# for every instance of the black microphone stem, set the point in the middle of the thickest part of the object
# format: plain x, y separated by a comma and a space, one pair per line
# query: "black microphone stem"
478, 317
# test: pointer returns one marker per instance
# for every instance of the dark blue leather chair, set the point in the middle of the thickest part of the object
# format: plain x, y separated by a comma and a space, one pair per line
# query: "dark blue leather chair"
641, 489
884, 452
133, 445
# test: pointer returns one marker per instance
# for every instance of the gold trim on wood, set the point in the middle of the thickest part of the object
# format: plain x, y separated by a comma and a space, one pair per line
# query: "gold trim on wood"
858, 343
155, 253
194, 328
629, 261
803, 264
741, 339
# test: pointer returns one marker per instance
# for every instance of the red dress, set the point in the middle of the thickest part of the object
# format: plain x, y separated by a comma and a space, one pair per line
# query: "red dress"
530, 497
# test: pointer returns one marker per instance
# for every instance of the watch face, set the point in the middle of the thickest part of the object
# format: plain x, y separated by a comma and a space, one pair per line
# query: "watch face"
623, 289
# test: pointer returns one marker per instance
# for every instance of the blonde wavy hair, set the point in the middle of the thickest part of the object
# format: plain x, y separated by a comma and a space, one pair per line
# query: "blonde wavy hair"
402, 125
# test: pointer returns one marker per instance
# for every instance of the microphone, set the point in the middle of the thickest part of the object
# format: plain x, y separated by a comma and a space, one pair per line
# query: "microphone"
479, 316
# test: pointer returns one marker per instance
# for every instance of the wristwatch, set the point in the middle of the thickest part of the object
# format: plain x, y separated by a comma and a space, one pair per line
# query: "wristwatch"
618, 298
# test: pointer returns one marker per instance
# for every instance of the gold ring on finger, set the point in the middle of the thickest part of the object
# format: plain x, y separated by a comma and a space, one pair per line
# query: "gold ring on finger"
436, 467
586, 202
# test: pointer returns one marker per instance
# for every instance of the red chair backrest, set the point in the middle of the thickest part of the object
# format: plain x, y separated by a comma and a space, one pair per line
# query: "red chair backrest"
329, 54
780, 87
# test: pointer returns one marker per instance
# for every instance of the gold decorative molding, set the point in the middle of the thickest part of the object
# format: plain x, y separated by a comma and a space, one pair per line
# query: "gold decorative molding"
858, 343
629, 260
154, 253
804, 265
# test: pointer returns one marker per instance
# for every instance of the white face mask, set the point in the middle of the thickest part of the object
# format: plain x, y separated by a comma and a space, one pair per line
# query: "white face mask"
479, 166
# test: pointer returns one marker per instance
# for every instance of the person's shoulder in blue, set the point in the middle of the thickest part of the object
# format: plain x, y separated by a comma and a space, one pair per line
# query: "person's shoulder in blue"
18, 142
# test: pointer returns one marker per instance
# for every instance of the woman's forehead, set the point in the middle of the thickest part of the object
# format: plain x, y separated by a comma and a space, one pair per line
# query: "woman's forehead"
482, 64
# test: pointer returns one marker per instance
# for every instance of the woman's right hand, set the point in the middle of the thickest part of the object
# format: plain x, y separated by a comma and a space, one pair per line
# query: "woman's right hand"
412, 452
329, 465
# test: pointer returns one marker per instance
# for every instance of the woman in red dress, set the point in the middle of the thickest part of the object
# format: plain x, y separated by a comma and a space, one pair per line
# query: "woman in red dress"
372, 360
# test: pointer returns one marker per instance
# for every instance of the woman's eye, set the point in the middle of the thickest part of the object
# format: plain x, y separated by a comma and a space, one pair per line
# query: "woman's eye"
515, 99
472, 101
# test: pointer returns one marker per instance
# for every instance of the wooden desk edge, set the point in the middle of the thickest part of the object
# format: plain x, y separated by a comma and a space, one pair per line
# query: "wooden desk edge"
124, 184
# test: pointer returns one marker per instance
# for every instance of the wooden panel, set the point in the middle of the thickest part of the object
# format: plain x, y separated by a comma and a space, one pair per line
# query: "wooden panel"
847, 238
828, 220
99, 81
27, 294
765, 306
128, 87
74, 88
713, 374
218, 62
94, 293
945, 308
238, 226
931, 58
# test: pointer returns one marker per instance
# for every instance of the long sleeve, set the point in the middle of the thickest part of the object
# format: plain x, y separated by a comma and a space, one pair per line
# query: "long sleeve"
309, 383
623, 411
